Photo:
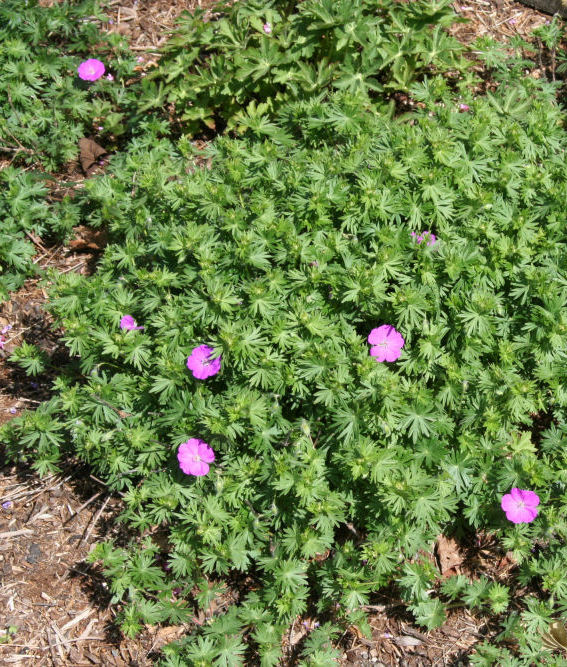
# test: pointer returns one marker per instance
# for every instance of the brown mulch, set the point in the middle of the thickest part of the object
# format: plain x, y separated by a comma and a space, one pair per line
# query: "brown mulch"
499, 19
147, 23
58, 604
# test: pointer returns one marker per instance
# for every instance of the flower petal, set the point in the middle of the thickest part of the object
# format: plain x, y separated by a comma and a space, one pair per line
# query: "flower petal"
393, 353
378, 352
508, 503
378, 335
206, 453
521, 515
530, 498
198, 468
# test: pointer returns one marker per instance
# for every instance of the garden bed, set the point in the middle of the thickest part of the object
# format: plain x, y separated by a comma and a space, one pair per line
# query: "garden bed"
59, 604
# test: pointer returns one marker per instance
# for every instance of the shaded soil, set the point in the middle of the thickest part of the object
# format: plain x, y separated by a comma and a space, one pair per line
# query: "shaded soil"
58, 604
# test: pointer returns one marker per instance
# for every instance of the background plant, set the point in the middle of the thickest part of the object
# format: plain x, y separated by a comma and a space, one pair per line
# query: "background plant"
24, 211
267, 53
44, 107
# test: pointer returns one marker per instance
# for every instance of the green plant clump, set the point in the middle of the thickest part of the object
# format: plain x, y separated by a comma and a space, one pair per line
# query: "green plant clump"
25, 212
45, 108
332, 471
267, 53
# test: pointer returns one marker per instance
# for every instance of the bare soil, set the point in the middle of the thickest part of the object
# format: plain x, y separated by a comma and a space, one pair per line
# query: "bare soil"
56, 603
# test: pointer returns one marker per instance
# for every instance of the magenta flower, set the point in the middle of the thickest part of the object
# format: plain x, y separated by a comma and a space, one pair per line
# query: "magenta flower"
464, 107
194, 457
129, 323
110, 77
91, 70
426, 236
386, 343
200, 363
267, 28
520, 506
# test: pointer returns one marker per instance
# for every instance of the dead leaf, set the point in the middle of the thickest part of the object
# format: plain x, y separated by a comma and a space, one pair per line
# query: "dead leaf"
89, 153
167, 634
88, 239
448, 556
353, 629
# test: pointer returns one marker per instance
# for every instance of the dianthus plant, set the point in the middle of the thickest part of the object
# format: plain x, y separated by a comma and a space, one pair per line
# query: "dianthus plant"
329, 468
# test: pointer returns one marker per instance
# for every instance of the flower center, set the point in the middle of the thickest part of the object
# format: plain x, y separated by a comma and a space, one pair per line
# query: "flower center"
196, 458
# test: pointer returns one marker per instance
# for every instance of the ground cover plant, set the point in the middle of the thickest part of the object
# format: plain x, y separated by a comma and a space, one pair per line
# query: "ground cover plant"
49, 100
259, 54
46, 105
304, 364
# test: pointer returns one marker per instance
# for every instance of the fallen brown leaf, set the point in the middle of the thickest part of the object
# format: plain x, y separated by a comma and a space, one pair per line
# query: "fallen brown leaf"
88, 239
89, 153
448, 555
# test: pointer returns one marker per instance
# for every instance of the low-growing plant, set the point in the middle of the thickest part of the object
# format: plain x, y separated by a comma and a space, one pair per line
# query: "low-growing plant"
45, 107
263, 54
338, 339
26, 213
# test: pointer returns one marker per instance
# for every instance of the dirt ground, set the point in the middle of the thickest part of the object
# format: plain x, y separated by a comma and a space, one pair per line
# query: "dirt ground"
54, 607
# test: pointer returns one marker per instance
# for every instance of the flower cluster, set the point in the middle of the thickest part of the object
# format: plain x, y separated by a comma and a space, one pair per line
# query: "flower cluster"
5, 330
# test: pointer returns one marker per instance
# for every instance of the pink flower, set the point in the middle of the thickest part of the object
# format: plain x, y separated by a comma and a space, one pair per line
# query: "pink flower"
267, 28
110, 77
91, 70
194, 457
426, 235
520, 506
464, 107
200, 363
129, 323
387, 343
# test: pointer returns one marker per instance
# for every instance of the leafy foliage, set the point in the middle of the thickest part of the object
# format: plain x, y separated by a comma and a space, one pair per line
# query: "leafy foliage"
25, 211
215, 72
44, 107
332, 471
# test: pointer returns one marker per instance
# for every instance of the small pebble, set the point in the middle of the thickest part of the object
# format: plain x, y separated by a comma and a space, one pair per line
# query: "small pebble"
35, 554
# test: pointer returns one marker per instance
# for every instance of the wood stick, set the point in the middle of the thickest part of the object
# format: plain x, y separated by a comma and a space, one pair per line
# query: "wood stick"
82, 507
93, 523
